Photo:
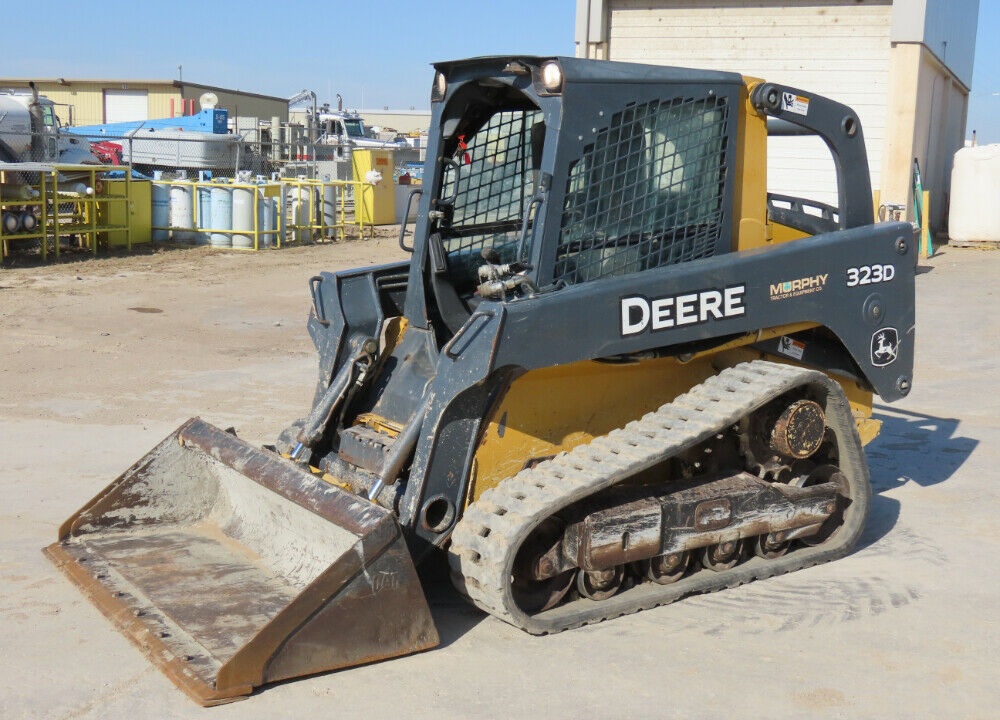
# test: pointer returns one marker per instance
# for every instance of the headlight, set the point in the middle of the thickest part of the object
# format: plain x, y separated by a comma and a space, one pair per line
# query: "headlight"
440, 87
552, 76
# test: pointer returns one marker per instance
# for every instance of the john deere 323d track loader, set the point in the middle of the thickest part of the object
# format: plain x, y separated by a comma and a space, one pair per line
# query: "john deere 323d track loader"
615, 372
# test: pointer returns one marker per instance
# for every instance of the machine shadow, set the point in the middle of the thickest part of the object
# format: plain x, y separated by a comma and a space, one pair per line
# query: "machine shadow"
453, 615
912, 447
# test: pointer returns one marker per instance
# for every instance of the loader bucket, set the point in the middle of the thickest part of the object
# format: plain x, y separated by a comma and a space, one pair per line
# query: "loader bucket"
231, 567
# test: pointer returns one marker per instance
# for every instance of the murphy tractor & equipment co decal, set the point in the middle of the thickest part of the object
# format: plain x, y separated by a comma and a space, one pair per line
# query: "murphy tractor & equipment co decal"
800, 286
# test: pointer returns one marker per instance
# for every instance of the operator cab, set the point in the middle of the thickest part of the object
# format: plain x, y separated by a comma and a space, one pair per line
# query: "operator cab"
646, 167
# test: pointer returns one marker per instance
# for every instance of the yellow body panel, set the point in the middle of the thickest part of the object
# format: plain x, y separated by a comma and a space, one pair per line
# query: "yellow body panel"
782, 233
552, 410
545, 412
750, 190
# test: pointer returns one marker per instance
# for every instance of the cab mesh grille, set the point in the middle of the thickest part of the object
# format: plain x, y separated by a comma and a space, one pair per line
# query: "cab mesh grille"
647, 192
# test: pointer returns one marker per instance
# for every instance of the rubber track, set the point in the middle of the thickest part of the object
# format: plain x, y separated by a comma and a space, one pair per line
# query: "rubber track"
486, 540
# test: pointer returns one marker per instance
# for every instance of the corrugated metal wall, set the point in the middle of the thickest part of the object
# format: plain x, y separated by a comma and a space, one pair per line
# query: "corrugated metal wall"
840, 50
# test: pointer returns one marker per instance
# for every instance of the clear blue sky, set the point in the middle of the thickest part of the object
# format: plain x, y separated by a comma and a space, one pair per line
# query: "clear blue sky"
382, 48
374, 53
984, 100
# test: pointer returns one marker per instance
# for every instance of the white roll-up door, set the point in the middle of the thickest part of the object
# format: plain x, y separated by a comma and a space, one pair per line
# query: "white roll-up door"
125, 105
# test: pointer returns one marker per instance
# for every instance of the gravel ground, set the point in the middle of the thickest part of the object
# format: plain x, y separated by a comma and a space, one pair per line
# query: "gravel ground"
102, 358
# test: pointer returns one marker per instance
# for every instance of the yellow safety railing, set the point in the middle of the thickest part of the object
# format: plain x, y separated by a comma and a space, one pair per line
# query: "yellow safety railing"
255, 231
301, 213
316, 192
84, 218
12, 201
63, 210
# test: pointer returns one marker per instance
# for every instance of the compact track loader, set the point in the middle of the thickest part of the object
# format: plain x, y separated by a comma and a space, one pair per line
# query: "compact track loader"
614, 372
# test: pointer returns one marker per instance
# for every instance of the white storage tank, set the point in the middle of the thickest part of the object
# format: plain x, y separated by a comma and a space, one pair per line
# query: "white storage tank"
329, 206
222, 217
161, 211
243, 216
974, 215
182, 212
267, 210
204, 213
302, 212
11, 222
28, 221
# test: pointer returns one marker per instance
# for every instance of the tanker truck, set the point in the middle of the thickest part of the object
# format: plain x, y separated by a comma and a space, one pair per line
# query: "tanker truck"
30, 131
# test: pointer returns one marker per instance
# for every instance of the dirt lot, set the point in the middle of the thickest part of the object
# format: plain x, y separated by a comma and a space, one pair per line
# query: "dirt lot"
102, 358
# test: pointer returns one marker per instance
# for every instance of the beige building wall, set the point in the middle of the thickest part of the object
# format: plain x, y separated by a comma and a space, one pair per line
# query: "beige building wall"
84, 99
836, 49
904, 66
927, 107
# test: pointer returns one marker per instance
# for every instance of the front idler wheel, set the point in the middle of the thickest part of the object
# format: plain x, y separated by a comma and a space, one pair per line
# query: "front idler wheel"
535, 589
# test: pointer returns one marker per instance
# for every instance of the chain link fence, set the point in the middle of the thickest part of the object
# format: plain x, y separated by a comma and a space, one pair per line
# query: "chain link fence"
178, 154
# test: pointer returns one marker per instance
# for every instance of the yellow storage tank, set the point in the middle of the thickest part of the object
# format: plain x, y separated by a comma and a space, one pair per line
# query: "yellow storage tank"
374, 205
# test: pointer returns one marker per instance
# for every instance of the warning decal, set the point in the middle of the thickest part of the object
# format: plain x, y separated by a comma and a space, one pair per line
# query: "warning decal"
791, 347
798, 104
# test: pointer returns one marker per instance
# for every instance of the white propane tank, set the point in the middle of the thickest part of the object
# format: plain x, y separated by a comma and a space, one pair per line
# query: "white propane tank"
28, 221
282, 212
181, 213
222, 217
329, 206
301, 213
81, 189
267, 208
974, 214
161, 208
204, 214
242, 217
18, 192
10, 221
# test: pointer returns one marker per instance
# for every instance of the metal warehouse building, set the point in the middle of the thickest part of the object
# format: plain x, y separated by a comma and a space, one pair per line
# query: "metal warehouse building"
93, 102
905, 66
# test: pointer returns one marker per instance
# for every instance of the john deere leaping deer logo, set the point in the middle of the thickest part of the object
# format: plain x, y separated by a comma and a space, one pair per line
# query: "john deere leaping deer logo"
885, 347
